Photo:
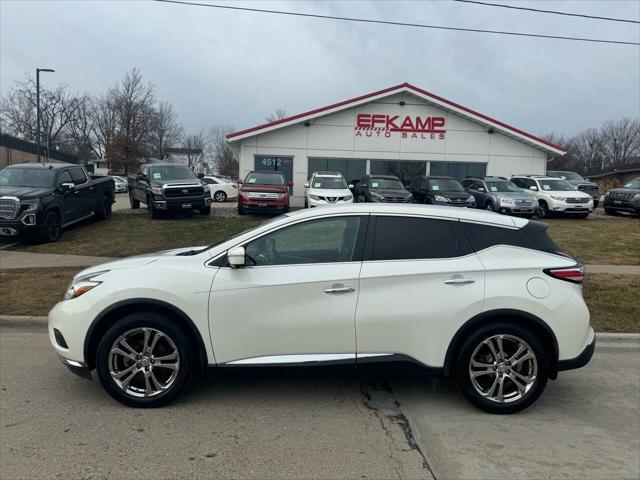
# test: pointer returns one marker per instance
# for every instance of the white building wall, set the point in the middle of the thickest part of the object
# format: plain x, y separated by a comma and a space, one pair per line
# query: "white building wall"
334, 136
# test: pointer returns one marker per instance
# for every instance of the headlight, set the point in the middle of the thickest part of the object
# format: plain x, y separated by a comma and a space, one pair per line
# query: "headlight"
409, 197
505, 200
636, 197
314, 197
30, 205
440, 198
282, 195
347, 197
558, 197
156, 190
377, 196
471, 198
81, 285
608, 194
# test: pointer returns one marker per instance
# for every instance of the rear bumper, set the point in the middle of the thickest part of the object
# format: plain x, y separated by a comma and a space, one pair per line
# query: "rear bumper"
579, 361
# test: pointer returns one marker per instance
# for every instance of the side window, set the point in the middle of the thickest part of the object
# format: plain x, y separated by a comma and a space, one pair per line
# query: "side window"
405, 238
209, 181
518, 182
468, 184
532, 236
364, 183
77, 176
65, 177
326, 240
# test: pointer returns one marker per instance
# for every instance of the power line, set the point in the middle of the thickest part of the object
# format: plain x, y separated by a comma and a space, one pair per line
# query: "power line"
400, 24
555, 12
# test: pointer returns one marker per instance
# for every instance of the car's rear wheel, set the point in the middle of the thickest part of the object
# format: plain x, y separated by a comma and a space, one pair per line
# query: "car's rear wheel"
220, 196
502, 368
104, 211
133, 202
144, 360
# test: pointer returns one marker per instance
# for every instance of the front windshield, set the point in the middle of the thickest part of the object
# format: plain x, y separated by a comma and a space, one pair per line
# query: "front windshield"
264, 179
329, 183
445, 185
566, 175
635, 183
502, 187
165, 173
386, 183
27, 177
556, 185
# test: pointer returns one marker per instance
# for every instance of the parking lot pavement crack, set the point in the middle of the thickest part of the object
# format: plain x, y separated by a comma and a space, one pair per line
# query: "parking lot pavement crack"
380, 399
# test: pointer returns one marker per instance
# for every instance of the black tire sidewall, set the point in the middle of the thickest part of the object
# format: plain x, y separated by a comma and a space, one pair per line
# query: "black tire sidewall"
166, 326
133, 202
48, 219
105, 208
465, 385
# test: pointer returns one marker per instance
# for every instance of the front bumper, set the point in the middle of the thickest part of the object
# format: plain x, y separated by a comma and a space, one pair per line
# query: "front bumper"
455, 204
564, 207
581, 360
25, 225
182, 203
321, 203
79, 368
628, 206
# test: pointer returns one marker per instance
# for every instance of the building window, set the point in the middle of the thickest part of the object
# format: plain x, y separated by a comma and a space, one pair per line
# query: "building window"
407, 172
264, 163
351, 169
458, 170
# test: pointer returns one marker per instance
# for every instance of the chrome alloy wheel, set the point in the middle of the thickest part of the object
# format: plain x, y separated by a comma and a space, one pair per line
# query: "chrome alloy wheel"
144, 362
503, 368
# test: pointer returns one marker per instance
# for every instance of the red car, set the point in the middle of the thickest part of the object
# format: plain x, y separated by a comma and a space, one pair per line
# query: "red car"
263, 192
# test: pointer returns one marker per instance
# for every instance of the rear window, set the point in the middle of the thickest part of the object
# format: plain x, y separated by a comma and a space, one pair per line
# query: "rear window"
406, 238
532, 236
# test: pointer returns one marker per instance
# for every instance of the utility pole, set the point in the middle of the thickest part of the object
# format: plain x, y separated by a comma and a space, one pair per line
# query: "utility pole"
38, 70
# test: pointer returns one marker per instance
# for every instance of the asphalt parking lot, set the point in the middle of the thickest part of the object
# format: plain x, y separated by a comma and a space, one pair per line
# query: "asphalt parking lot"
340, 422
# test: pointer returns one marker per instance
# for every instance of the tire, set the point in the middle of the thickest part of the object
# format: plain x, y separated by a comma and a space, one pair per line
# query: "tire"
306, 203
173, 344
205, 210
513, 398
609, 211
489, 206
51, 228
220, 196
285, 209
241, 211
543, 210
133, 202
104, 211
154, 214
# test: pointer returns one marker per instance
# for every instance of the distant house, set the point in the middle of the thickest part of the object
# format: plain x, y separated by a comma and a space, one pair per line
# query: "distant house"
192, 157
615, 177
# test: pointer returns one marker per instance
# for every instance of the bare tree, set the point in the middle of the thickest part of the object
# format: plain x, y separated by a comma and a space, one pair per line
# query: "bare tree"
279, 114
223, 157
79, 133
104, 124
193, 146
165, 131
588, 148
621, 141
57, 109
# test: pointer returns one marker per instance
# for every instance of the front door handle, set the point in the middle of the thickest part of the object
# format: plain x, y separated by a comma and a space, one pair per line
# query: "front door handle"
337, 289
459, 281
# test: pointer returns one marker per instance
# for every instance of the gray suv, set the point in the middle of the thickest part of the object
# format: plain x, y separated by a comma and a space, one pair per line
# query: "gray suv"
500, 195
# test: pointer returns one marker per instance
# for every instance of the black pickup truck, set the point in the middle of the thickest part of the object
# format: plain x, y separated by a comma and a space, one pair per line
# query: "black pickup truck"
39, 200
167, 187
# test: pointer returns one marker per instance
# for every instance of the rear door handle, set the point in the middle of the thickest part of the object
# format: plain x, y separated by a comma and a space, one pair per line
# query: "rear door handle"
337, 289
459, 281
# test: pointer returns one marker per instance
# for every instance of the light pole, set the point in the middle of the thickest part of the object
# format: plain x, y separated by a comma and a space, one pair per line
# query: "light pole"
38, 70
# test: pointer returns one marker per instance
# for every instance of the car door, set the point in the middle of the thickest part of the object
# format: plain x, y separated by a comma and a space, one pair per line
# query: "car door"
71, 199
295, 300
85, 190
139, 192
420, 281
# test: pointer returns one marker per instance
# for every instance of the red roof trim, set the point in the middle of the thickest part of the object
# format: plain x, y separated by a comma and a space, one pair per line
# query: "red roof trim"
390, 89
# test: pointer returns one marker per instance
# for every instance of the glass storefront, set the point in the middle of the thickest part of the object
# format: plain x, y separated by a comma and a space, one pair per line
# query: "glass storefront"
351, 169
275, 164
406, 171
458, 170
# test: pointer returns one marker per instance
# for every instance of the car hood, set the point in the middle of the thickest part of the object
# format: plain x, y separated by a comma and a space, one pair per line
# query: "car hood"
625, 190
189, 182
263, 188
24, 193
390, 192
451, 194
138, 260
330, 192
514, 195
565, 193
582, 182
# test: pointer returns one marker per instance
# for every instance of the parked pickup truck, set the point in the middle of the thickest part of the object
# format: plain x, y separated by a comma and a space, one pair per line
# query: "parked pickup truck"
39, 200
168, 187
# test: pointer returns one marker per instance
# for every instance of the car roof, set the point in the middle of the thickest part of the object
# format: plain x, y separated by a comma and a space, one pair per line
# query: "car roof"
433, 211
536, 177
327, 174
266, 171
439, 177
393, 177
50, 166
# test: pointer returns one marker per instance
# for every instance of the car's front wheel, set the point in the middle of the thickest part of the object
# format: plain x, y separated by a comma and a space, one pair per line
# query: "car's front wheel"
502, 368
144, 360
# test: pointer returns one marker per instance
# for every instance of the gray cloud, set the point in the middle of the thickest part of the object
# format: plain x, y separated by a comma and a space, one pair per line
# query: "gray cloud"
223, 67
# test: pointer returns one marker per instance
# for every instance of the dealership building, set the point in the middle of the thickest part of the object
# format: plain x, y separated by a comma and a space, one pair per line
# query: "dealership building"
401, 130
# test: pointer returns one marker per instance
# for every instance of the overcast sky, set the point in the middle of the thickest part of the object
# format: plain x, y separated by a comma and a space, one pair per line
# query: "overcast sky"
227, 67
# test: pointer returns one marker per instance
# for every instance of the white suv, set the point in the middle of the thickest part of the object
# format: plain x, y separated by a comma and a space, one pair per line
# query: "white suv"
326, 188
485, 298
555, 196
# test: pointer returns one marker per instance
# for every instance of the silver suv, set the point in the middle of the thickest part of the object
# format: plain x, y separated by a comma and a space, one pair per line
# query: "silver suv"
500, 195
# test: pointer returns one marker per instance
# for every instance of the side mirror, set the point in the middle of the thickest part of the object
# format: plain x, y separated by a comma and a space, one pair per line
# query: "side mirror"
141, 176
200, 175
480, 189
235, 256
306, 185
67, 186
289, 184
351, 186
533, 187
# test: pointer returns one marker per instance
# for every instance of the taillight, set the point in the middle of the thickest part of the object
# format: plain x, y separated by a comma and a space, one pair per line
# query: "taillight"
573, 274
